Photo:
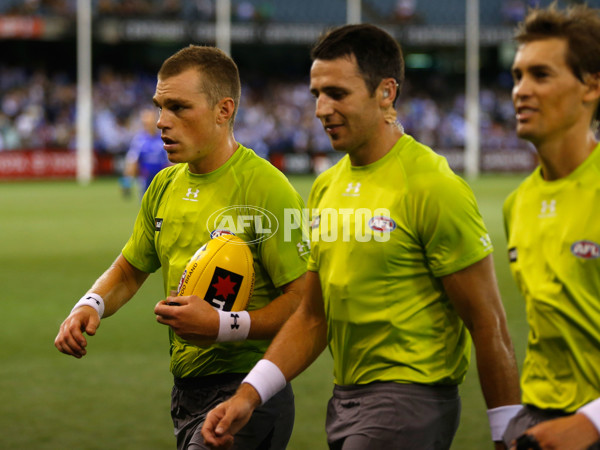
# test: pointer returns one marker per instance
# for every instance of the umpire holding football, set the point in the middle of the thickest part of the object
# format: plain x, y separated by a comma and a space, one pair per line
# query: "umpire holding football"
197, 95
405, 287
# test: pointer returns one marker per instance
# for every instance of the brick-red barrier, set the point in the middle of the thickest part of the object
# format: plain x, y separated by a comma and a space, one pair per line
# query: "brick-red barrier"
19, 164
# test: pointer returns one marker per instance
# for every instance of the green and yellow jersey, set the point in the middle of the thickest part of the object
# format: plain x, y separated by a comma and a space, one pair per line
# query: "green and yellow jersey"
382, 236
553, 231
246, 196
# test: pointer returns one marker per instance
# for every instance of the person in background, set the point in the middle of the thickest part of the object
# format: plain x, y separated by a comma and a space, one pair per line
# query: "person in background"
146, 155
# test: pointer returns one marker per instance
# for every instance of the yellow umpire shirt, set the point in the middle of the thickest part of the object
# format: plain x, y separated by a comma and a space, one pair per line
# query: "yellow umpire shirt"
553, 231
382, 235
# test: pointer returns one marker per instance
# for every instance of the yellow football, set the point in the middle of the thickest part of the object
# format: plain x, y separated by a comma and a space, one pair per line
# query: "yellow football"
221, 272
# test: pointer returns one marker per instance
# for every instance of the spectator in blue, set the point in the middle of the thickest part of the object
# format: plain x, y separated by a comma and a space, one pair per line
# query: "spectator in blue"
146, 155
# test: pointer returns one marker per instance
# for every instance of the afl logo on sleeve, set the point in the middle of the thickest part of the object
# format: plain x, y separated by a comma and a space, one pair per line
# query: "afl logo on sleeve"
585, 250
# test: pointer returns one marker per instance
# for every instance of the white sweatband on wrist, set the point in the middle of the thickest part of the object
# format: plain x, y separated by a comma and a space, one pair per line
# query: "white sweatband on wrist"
499, 418
93, 300
592, 412
233, 326
266, 378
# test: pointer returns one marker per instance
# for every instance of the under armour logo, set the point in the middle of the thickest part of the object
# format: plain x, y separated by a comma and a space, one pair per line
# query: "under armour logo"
303, 247
486, 242
191, 194
352, 189
92, 298
548, 208
234, 325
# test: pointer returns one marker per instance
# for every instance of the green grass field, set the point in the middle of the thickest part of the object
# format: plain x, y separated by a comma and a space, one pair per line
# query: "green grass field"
55, 239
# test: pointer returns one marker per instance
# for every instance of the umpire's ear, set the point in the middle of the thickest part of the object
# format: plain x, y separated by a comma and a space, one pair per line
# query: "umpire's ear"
224, 110
592, 91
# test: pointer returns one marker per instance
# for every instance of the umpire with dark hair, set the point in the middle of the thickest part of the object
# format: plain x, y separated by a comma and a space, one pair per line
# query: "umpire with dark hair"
400, 275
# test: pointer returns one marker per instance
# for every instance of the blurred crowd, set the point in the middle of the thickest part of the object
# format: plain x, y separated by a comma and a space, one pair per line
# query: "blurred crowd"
38, 110
242, 10
384, 11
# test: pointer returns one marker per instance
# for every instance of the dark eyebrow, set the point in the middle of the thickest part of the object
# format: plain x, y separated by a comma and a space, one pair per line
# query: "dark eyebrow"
534, 68
540, 67
329, 90
169, 102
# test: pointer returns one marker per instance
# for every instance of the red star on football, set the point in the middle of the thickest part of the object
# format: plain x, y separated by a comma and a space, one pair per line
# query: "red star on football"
224, 287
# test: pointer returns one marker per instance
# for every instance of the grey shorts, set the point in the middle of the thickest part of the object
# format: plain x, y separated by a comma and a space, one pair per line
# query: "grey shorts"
529, 416
191, 399
392, 416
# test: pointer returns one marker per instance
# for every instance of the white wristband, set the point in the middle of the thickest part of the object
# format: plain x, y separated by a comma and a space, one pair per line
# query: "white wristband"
266, 378
233, 326
592, 412
93, 300
499, 418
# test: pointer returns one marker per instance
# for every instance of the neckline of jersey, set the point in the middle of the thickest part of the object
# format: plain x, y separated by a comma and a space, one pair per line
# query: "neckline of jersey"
573, 175
236, 155
401, 142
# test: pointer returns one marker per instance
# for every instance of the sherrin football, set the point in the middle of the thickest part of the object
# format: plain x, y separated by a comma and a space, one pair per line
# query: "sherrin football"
221, 272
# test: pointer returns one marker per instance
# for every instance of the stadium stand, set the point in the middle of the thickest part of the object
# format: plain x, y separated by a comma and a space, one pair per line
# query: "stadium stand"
276, 117
432, 12
37, 110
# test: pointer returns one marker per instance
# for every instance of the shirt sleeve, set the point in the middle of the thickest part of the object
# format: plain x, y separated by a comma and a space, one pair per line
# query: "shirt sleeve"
448, 223
140, 249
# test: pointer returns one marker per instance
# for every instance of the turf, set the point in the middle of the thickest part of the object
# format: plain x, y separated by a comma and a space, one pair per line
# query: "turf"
55, 239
